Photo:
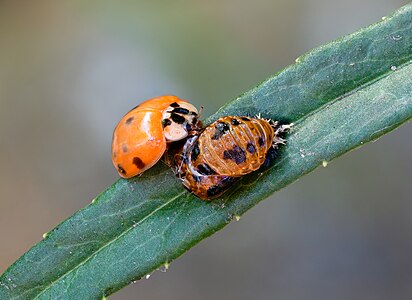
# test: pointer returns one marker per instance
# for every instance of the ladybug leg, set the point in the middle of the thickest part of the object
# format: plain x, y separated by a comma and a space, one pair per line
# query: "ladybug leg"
179, 168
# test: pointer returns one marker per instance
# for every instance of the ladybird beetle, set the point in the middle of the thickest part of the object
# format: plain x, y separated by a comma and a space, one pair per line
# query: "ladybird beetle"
140, 139
211, 160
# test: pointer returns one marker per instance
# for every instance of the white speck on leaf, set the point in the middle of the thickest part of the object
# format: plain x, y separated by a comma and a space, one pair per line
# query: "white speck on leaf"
396, 37
165, 267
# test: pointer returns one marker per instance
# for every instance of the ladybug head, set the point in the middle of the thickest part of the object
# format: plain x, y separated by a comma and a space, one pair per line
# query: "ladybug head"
178, 120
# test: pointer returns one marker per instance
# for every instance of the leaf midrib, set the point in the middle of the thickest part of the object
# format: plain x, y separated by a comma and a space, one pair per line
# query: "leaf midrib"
298, 121
355, 90
109, 243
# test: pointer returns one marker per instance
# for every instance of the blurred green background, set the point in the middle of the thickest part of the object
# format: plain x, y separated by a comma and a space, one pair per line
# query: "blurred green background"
69, 70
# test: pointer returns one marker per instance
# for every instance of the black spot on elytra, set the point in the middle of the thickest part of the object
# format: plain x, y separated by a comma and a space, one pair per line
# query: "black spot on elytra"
221, 129
194, 121
138, 162
236, 154
261, 141
251, 148
205, 169
120, 169
129, 120
174, 104
177, 118
166, 122
124, 148
245, 119
180, 110
235, 122
195, 151
221, 187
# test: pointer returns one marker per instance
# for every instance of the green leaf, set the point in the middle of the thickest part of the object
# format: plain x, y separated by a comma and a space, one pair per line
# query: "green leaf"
339, 96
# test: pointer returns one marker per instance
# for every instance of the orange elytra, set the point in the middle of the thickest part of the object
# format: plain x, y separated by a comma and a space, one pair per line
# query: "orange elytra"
140, 139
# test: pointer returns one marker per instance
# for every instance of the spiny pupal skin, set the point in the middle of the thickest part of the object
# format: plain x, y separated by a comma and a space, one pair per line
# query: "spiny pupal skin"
140, 139
210, 161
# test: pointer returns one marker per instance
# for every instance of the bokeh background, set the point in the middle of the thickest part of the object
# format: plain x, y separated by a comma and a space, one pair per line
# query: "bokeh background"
69, 70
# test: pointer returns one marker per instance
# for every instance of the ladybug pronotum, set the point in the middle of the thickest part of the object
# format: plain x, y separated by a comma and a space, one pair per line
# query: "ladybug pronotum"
211, 160
140, 139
